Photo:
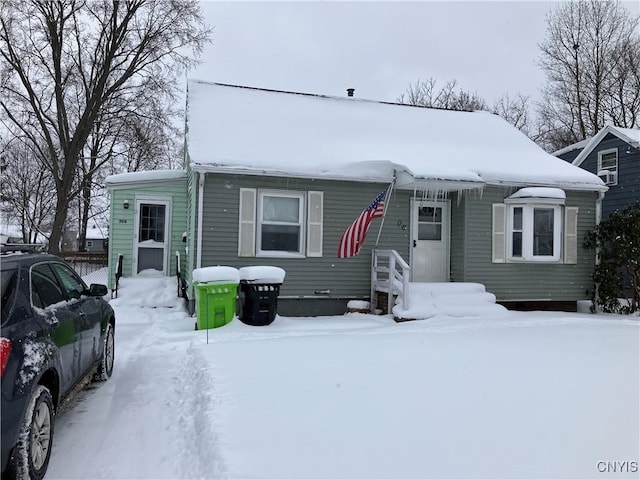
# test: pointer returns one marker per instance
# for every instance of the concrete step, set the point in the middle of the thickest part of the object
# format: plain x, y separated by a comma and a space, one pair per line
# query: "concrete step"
455, 299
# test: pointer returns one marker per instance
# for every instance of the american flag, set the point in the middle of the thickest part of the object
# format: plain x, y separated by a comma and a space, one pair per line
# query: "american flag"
353, 238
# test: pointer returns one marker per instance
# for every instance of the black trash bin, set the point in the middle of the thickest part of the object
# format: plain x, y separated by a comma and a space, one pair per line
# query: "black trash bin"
259, 295
259, 303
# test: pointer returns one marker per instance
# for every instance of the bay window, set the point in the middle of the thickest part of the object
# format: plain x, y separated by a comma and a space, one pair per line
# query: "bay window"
534, 225
534, 232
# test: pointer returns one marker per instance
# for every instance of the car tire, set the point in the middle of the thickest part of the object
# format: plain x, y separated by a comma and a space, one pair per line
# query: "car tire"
105, 368
36, 436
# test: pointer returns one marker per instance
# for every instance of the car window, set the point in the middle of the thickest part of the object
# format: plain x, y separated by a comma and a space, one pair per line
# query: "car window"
8, 280
45, 289
70, 281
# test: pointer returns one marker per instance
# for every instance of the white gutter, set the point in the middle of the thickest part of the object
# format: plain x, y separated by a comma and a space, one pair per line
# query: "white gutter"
200, 215
582, 187
270, 173
598, 220
401, 184
599, 207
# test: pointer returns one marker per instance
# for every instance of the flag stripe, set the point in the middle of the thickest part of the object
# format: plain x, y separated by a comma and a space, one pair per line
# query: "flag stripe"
353, 238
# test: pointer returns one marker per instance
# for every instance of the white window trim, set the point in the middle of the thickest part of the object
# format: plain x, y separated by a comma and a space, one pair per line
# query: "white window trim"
611, 178
301, 196
527, 230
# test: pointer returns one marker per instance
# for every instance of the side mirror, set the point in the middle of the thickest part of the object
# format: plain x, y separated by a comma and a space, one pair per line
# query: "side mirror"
98, 290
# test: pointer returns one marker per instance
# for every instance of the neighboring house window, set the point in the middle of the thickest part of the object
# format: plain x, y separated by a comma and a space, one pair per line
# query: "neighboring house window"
280, 223
89, 243
608, 166
535, 229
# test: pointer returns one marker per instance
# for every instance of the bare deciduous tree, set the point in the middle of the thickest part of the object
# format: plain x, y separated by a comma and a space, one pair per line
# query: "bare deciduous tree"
68, 64
515, 110
590, 56
425, 93
26, 191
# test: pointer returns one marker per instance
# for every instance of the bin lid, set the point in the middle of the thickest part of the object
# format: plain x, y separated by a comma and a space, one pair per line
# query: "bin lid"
262, 274
218, 274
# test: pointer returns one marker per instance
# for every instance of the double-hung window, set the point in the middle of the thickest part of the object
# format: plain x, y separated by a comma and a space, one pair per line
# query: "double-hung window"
608, 166
534, 232
280, 223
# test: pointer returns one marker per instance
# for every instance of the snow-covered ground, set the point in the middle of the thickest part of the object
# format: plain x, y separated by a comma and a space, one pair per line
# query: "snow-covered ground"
521, 395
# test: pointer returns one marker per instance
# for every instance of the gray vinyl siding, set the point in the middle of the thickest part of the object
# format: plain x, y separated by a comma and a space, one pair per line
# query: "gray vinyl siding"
627, 191
343, 202
522, 281
123, 226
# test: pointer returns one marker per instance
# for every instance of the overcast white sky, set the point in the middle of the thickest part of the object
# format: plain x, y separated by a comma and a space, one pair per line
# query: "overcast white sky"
378, 48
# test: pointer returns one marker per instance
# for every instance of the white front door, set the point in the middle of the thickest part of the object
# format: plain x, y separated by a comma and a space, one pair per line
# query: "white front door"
151, 238
430, 241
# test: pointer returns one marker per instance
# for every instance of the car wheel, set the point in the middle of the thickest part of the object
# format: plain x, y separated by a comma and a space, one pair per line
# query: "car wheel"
105, 369
36, 436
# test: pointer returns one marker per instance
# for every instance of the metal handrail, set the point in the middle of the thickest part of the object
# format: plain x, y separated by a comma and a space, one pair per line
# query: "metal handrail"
178, 273
118, 272
398, 274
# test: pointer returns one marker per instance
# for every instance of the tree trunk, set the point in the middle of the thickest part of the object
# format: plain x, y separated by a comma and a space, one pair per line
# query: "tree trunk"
84, 214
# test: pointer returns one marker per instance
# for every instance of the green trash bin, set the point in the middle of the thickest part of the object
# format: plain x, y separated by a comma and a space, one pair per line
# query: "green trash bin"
216, 290
215, 303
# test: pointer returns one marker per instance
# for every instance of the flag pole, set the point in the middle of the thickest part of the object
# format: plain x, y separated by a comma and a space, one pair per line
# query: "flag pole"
386, 205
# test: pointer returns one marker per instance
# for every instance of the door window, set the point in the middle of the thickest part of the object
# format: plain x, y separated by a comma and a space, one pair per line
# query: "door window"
430, 223
152, 222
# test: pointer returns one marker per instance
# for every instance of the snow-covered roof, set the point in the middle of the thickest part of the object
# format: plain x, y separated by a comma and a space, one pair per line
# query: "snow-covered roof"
143, 177
266, 132
540, 192
628, 135
570, 148
96, 233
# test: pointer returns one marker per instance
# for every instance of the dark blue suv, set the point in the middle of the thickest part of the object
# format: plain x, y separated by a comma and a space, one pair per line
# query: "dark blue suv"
55, 335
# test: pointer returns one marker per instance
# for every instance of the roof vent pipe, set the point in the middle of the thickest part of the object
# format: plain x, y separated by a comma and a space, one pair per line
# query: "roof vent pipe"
350, 92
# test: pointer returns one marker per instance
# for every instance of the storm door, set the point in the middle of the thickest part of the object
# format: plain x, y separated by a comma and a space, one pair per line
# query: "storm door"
430, 241
151, 241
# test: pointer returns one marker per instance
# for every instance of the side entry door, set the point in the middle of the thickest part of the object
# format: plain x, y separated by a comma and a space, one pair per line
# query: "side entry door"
151, 242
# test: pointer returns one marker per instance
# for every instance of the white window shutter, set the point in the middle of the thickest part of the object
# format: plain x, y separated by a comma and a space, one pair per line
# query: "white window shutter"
314, 223
498, 233
571, 235
247, 223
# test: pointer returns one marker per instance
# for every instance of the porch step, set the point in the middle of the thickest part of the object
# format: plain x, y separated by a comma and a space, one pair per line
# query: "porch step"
454, 299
